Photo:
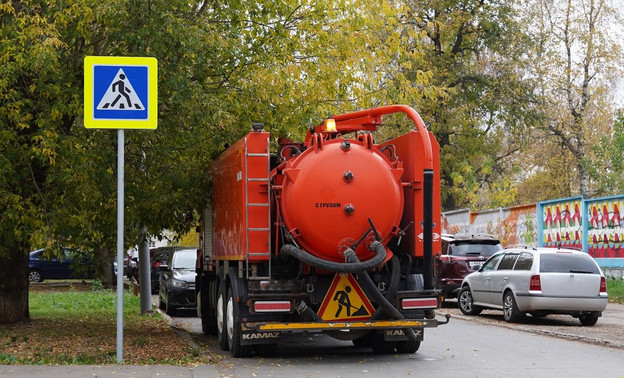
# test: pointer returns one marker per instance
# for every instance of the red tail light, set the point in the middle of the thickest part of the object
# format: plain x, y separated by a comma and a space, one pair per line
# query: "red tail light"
536, 283
603, 285
156, 265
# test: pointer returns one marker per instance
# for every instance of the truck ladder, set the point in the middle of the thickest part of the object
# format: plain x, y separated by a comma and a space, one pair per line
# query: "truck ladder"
257, 205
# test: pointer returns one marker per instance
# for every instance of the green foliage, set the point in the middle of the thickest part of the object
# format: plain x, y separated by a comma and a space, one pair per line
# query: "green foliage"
460, 66
609, 172
615, 289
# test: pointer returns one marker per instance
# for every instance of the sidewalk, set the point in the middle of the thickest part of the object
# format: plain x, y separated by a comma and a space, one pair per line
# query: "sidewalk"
117, 371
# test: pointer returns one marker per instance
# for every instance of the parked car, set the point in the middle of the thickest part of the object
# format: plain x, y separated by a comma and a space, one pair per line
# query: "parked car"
538, 281
177, 281
70, 265
158, 259
460, 256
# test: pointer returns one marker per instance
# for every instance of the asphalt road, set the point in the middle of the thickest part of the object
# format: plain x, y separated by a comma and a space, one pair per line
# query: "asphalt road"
483, 346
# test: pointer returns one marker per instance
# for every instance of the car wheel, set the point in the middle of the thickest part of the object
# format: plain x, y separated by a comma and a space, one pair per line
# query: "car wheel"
169, 308
409, 346
232, 322
221, 324
588, 320
511, 313
466, 303
35, 276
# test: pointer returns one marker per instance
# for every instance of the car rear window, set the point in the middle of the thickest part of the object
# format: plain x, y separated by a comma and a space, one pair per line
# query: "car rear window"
474, 249
567, 263
184, 259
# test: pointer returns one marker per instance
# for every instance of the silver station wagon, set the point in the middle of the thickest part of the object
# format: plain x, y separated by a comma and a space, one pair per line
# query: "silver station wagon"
538, 281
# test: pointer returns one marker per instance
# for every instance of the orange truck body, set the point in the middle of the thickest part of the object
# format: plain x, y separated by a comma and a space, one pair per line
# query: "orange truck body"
333, 234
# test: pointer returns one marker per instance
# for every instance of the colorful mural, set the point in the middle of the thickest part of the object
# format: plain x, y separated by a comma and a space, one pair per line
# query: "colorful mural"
605, 228
511, 225
595, 226
562, 223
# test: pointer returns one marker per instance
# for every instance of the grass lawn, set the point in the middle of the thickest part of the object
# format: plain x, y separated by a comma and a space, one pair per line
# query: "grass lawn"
615, 289
80, 327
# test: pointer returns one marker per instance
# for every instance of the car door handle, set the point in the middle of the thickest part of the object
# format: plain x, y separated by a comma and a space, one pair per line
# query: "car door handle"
506, 278
488, 278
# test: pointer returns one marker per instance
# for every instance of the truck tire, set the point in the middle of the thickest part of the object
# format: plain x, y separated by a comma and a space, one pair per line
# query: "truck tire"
206, 308
233, 319
408, 346
381, 346
220, 314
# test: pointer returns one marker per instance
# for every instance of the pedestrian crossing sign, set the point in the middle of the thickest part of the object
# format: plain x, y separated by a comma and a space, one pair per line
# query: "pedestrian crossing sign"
120, 92
345, 301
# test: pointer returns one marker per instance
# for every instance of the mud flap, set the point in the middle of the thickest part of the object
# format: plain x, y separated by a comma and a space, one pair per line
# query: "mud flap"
398, 335
252, 337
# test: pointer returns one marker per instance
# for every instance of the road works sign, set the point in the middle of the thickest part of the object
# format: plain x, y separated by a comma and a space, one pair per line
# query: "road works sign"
120, 92
345, 301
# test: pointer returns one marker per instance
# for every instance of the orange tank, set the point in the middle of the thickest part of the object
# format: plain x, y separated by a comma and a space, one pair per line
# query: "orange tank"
335, 190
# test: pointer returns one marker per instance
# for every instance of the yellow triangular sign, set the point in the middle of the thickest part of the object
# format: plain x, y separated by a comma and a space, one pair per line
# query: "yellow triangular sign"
345, 300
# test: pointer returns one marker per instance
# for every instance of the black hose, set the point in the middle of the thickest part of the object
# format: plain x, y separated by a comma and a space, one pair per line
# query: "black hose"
378, 259
369, 288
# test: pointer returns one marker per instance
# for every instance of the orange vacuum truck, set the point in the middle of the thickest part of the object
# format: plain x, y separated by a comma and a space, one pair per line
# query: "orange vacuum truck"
332, 235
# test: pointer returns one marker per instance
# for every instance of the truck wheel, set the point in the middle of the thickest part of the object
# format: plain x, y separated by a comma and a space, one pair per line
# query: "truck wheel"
266, 350
221, 324
409, 346
364, 341
234, 333
381, 346
206, 309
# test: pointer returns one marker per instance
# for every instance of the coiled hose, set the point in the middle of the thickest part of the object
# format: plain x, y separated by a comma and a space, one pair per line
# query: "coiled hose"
354, 265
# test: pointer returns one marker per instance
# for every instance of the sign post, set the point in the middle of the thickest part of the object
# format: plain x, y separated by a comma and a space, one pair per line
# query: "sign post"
120, 93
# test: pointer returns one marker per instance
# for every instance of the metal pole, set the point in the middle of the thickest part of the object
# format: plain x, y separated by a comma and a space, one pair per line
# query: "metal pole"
144, 273
428, 229
120, 241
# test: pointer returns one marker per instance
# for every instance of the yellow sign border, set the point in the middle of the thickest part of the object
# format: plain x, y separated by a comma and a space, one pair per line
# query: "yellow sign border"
325, 305
152, 87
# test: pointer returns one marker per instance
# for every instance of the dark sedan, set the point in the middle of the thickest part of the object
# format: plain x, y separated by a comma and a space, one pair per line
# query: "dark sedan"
177, 281
69, 265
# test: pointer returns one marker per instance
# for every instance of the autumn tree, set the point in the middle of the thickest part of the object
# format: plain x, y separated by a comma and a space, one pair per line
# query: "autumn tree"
575, 61
222, 66
461, 67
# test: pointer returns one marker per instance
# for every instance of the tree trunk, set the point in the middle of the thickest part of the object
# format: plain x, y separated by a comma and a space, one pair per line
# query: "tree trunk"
106, 269
14, 287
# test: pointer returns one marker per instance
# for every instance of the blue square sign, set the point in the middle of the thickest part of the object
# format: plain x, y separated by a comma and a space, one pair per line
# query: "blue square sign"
120, 93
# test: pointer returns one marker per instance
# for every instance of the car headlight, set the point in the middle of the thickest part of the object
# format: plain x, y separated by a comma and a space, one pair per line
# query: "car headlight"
179, 284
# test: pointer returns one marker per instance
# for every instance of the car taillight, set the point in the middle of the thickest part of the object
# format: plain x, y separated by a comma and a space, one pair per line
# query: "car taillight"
603, 285
536, 283
156, 265
447, 258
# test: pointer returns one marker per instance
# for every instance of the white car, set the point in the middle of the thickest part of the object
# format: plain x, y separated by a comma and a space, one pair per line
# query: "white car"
538, 281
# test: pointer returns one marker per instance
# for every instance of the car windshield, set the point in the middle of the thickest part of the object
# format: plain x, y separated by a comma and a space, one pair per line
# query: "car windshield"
567, 263
475, 249
184, 259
